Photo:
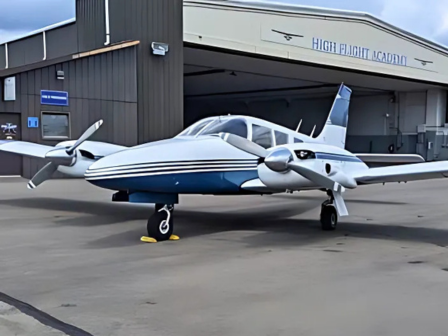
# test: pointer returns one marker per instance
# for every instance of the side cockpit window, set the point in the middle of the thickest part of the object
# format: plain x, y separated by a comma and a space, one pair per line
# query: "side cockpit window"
262, 136
281, 138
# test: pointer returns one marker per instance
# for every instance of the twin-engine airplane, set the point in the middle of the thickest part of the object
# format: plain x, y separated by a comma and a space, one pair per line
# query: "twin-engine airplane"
231, 155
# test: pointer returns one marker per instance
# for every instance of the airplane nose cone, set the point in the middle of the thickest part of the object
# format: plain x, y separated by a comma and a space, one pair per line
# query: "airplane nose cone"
173, 166
278, 160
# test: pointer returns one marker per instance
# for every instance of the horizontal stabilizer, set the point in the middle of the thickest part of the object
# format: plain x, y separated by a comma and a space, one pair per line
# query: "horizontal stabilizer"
25, 148
390, 158
403, 173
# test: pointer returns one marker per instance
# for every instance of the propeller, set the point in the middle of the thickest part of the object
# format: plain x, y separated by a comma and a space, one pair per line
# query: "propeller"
328, 183
281, 160
61, 157
244, 144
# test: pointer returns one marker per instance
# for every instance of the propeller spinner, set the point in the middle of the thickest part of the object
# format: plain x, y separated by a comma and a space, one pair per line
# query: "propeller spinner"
61, 157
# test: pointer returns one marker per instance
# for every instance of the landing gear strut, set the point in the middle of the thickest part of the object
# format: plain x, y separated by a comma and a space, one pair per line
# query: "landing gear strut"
328, 213
160, 224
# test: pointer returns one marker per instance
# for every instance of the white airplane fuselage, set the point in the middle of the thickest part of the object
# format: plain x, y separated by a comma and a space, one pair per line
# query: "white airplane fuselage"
181, 165
206, 165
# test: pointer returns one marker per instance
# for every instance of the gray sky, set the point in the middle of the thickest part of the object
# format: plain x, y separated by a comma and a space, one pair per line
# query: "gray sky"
428, 18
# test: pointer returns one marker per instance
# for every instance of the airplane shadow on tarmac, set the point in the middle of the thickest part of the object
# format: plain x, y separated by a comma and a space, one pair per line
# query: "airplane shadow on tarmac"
275, 222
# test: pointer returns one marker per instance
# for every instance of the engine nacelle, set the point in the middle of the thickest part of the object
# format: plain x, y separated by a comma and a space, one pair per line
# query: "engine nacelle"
288, 180
85, 155
78, 168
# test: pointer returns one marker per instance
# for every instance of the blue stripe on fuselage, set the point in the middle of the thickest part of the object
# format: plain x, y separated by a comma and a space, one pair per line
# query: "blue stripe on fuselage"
182, 183
337, 157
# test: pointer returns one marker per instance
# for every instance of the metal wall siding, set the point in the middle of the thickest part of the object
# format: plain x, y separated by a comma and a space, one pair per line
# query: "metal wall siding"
62, 41
2, 57
90, 17
26, 51
160, 79
90, 99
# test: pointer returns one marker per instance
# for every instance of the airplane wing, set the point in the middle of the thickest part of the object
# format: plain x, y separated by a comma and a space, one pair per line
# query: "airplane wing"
25, 148
403, 173
390, 158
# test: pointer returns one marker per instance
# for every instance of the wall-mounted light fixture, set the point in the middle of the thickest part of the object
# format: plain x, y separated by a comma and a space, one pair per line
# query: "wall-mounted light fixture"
159, 48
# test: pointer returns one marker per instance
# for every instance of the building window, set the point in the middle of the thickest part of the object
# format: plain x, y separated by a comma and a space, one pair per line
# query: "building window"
55, 125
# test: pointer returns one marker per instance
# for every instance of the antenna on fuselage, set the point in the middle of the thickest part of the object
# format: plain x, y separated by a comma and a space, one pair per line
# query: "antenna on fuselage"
298, 127
312, 132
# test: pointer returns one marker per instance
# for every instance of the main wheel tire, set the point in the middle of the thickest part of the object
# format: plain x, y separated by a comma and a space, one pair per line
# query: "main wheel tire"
158, 228
329, 218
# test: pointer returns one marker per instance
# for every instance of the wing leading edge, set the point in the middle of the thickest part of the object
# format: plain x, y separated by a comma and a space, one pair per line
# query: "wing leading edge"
390, 158
25, 148
403, 173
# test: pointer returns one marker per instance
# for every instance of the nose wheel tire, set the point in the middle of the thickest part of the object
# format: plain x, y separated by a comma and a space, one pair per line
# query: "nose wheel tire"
328, 217
160, 226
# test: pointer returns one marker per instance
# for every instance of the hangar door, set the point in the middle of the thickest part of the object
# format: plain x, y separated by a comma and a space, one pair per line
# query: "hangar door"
10, 164
371, 124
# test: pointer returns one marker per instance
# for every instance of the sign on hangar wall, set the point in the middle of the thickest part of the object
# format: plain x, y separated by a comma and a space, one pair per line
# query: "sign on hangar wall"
58, 98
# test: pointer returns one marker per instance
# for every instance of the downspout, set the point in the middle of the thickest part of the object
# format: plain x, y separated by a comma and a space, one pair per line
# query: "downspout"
44, 39
6, 56
106, 9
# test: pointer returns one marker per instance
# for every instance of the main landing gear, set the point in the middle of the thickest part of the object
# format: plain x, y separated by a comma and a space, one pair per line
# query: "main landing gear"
160, 224
328, 213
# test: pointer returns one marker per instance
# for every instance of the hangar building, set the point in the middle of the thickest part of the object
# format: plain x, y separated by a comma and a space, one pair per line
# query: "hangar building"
151, 68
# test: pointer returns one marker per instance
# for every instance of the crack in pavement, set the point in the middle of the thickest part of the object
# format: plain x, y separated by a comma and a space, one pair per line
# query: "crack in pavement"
41, 316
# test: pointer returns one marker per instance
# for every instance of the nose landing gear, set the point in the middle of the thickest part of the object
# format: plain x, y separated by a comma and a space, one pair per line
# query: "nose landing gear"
328, 213
160, 225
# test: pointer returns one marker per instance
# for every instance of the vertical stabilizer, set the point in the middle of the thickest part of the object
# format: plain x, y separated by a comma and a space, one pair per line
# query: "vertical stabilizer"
335, 129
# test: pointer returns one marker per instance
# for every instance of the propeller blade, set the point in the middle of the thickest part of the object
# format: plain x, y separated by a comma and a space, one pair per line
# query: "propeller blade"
244, 144
325, 182
339, 202
312, 175
42, 175
87, 134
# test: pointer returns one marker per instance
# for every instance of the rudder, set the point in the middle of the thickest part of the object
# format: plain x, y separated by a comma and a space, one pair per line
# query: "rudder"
335, 129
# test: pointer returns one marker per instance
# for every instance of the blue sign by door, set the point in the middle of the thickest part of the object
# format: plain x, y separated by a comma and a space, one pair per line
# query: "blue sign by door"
33, 122
59, 98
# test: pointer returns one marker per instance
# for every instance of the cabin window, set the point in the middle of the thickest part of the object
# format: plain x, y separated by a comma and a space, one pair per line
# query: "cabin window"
233, 126
262, 136
55, 125
281, 138
296, 140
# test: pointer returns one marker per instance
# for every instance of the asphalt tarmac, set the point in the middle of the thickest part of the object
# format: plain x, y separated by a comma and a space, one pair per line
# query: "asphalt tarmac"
72, 263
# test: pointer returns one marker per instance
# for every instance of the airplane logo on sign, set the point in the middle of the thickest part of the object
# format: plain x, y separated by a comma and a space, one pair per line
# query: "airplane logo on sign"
287, 36
9, 129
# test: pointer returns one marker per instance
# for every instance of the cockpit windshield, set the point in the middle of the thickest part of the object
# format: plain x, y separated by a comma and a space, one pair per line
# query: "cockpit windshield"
195, 128
237, 126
